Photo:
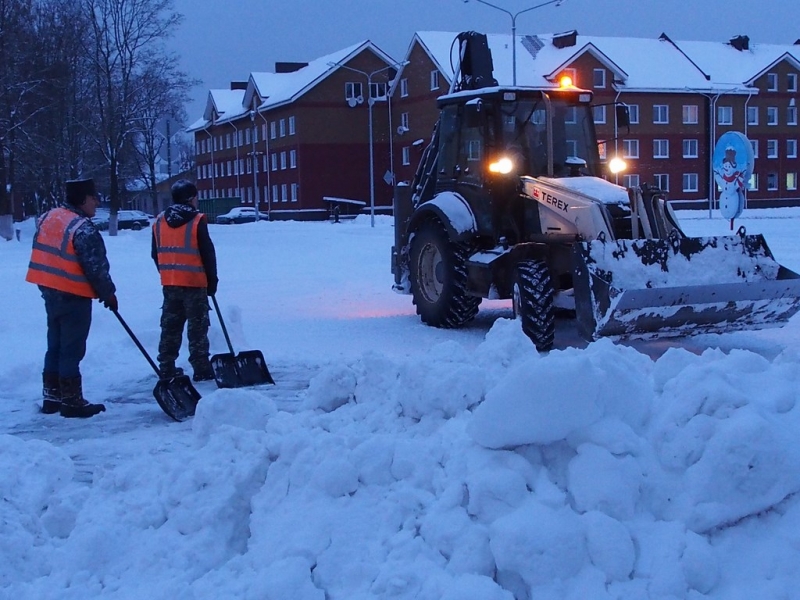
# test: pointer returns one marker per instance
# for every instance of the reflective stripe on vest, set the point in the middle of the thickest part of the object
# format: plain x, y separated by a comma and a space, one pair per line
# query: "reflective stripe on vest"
54, 262
179, 260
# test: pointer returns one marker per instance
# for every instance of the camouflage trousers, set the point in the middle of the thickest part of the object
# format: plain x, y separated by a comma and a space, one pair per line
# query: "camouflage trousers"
184, 306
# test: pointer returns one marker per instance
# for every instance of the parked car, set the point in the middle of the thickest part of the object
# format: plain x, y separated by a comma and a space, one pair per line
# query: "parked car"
126, 219
241, 214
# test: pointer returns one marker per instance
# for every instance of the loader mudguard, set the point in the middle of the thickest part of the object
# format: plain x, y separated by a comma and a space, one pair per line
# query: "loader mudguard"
454, 213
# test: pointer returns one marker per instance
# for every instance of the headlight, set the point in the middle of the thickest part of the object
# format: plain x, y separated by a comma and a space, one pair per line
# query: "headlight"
617, 165
503, 165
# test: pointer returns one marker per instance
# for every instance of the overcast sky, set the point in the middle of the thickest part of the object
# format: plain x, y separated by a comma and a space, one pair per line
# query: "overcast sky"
221, 41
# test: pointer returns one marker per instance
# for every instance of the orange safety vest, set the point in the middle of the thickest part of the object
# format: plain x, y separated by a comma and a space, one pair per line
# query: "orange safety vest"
179, 260
54, 263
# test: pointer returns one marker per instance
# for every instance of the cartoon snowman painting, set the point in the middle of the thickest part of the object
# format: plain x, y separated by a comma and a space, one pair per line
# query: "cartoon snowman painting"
730, 179
733, 164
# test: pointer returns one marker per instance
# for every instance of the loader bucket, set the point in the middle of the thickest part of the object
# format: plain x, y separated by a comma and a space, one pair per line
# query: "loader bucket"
679, 286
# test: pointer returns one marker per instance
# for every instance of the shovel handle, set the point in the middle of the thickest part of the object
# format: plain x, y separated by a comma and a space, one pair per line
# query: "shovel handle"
222, 323
138, 344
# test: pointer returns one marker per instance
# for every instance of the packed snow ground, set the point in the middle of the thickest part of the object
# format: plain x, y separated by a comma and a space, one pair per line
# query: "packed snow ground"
393, 460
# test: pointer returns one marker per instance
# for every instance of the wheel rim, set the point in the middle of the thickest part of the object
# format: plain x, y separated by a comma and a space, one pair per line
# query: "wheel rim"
430, 273
516, 302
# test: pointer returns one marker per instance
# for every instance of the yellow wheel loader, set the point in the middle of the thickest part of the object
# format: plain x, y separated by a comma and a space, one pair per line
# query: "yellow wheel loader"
509, 201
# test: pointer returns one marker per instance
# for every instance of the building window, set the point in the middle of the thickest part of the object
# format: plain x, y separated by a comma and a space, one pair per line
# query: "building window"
570, 115
633, 113
274, 161
255, 134
690, 148
473, 150
284, 195
404, 121
791, 148
690, 182
754, 144
246, 136
662, 182
791, 115
690, 114
630, 148
273, 130
294, 192
292, 159
264, 131
230, 170
403, 88
602, 149
572, 74
660, 114
772, 82
724, 115
599, 113
772, 182
406, 155
752, 115
772, 115
772, 148
282, 127
791, 82
377, 91
434, 80
660, 148
791, 181
599, 78
752, 183
227, 140
249, 167
630, 181
275, 193
283, 160
352, 91
291, 126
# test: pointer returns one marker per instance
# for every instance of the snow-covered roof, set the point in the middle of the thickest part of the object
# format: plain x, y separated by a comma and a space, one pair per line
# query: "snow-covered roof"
726, 64
274, 89
638, 64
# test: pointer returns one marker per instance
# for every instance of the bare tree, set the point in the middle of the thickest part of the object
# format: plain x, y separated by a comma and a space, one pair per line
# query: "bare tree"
125, 43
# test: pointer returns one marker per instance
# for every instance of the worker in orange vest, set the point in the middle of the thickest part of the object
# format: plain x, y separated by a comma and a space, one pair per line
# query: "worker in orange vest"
185, 257
69, 265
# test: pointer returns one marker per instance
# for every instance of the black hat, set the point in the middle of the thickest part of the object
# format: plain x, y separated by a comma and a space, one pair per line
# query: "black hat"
78, 189
183, 190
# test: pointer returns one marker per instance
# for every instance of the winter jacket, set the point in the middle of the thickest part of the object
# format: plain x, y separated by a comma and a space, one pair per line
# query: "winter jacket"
69, 255
187, 219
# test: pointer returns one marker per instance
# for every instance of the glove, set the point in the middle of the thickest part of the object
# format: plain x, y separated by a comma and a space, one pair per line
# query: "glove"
111, 303
212, 288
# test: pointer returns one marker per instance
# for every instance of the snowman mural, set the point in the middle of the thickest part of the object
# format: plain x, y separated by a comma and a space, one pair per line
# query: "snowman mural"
733, 165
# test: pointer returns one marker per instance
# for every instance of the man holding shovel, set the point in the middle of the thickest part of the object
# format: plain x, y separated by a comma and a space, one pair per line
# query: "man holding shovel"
185, 257
69, 265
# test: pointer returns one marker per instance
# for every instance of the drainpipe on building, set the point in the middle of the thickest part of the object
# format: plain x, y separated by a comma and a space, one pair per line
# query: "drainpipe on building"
211, 147
237, 169
268, 166
747, 184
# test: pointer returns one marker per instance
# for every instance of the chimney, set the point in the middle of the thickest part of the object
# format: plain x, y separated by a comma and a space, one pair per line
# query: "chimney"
289, 67
238, 85
741, 42
566, 39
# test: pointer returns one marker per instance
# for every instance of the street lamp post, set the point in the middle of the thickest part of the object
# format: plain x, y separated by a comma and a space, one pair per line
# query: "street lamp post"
370, 102
514, 27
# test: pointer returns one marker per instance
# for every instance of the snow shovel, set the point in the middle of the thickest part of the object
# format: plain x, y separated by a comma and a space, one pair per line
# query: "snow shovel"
240, 370
175, 395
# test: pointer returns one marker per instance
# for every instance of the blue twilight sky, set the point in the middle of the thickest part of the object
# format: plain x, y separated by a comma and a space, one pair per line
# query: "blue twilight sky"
223, 41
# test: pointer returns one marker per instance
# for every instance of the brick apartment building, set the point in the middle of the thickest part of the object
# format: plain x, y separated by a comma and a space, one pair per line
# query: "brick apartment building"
296, 142
682, 97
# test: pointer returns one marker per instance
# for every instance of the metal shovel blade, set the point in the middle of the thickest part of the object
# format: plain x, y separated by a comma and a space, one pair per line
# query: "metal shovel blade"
653, 288
177, 397
244, 369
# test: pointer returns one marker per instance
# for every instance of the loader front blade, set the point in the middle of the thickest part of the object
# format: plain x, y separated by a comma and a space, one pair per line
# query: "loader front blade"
680, 286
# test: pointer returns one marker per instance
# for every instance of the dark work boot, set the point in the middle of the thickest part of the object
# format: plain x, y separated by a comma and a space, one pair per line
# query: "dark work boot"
51, 393
203, 374
73, 404
169, 371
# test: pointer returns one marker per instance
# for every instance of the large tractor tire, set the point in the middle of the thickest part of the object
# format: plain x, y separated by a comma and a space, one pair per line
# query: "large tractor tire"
439, 278
533, 303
